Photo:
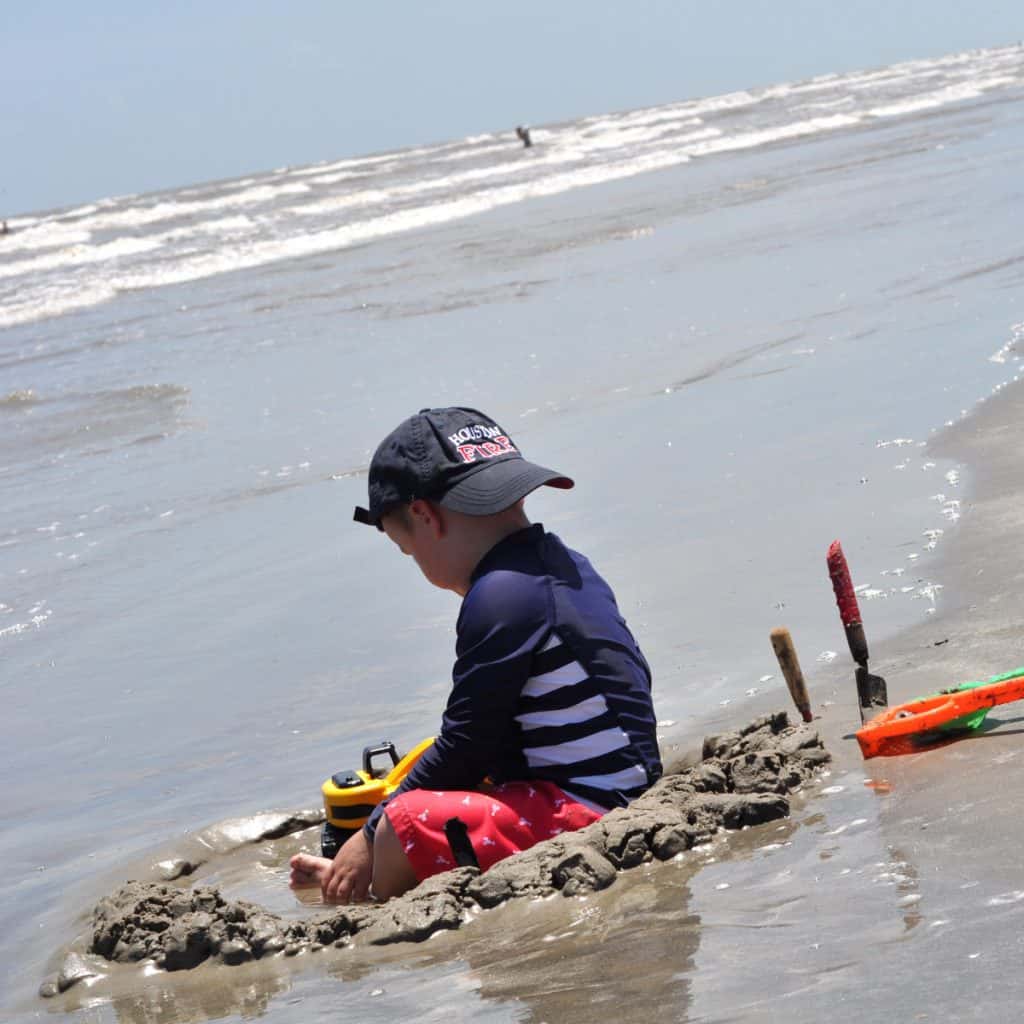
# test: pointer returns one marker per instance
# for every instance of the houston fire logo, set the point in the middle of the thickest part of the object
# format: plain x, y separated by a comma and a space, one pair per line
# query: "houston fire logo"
480, 442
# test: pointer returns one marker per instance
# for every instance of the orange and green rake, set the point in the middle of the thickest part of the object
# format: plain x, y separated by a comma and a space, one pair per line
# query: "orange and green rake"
906, 728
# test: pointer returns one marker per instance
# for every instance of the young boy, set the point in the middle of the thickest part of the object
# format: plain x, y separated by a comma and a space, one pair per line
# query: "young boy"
551, 696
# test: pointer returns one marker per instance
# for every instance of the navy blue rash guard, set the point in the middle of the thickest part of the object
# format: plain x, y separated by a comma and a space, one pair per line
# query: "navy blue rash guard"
548, 683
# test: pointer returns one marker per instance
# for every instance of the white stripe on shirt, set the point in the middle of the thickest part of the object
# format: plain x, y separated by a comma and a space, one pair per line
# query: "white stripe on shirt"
628, 778
592, 707
567, 675
565, 754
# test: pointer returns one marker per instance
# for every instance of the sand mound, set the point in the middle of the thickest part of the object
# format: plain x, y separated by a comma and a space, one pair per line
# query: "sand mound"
743, 779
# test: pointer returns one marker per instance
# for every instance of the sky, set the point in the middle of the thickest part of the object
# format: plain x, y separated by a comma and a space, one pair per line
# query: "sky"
110, 97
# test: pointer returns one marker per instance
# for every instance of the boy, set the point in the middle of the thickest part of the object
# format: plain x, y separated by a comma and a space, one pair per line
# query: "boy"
551, 696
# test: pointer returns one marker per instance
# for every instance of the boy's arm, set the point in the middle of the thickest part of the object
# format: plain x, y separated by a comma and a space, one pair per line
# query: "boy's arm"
499, 630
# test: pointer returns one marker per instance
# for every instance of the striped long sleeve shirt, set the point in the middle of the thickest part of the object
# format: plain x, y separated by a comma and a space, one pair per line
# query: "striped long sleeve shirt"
548, 682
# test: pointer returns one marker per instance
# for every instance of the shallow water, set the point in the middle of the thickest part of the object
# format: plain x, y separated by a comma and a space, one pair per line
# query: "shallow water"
738, 357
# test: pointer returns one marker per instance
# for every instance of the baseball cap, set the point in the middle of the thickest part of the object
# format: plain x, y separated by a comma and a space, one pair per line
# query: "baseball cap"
459, 458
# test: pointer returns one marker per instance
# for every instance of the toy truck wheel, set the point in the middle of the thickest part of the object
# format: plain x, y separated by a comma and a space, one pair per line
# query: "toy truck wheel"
332, 839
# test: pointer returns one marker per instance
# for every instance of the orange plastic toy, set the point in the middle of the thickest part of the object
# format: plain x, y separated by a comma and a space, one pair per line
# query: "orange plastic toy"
903, 729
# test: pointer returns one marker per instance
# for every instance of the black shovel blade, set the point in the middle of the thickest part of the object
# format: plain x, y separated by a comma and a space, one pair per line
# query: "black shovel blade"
872, 694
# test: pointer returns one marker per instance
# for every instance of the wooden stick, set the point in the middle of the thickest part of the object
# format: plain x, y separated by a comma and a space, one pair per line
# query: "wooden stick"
782, 643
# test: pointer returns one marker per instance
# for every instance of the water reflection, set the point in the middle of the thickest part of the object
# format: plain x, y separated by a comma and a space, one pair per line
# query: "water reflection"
902, 873
202, 995
627, 952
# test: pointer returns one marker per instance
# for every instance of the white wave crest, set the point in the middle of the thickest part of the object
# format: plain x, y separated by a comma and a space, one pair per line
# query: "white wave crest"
79, 255
44, 235
941, 97
54, 300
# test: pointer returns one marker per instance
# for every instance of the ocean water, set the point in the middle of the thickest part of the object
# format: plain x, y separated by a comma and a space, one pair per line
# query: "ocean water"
734, 320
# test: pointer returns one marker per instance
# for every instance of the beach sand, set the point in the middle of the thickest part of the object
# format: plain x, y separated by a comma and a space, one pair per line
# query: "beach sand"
893, 892
901, 898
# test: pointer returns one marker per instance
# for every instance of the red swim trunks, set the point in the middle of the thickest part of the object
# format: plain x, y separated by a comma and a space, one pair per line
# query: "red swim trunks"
500, 820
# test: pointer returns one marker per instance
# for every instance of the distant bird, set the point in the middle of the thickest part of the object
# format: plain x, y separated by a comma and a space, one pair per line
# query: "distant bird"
523, 132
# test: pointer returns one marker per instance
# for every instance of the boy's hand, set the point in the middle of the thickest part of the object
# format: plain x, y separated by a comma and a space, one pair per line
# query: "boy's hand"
348, 878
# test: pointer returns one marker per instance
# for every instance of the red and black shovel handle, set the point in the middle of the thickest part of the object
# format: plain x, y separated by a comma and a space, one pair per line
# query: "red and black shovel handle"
849, 611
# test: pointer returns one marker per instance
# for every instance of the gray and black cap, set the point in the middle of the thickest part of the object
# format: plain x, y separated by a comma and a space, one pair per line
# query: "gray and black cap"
459, 458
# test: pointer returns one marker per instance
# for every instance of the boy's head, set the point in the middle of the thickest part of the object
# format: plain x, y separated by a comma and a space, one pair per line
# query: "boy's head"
443, 469
457, 458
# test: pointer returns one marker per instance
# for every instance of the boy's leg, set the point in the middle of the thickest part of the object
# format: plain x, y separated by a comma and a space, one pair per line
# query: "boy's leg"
500, 821
392, 872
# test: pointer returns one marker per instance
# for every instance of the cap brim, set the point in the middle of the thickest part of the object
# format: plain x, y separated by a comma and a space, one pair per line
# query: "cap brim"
501, 484
366, 517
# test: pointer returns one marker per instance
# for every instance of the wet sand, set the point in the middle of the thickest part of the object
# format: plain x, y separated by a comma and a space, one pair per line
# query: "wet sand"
893, 890
902, 896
